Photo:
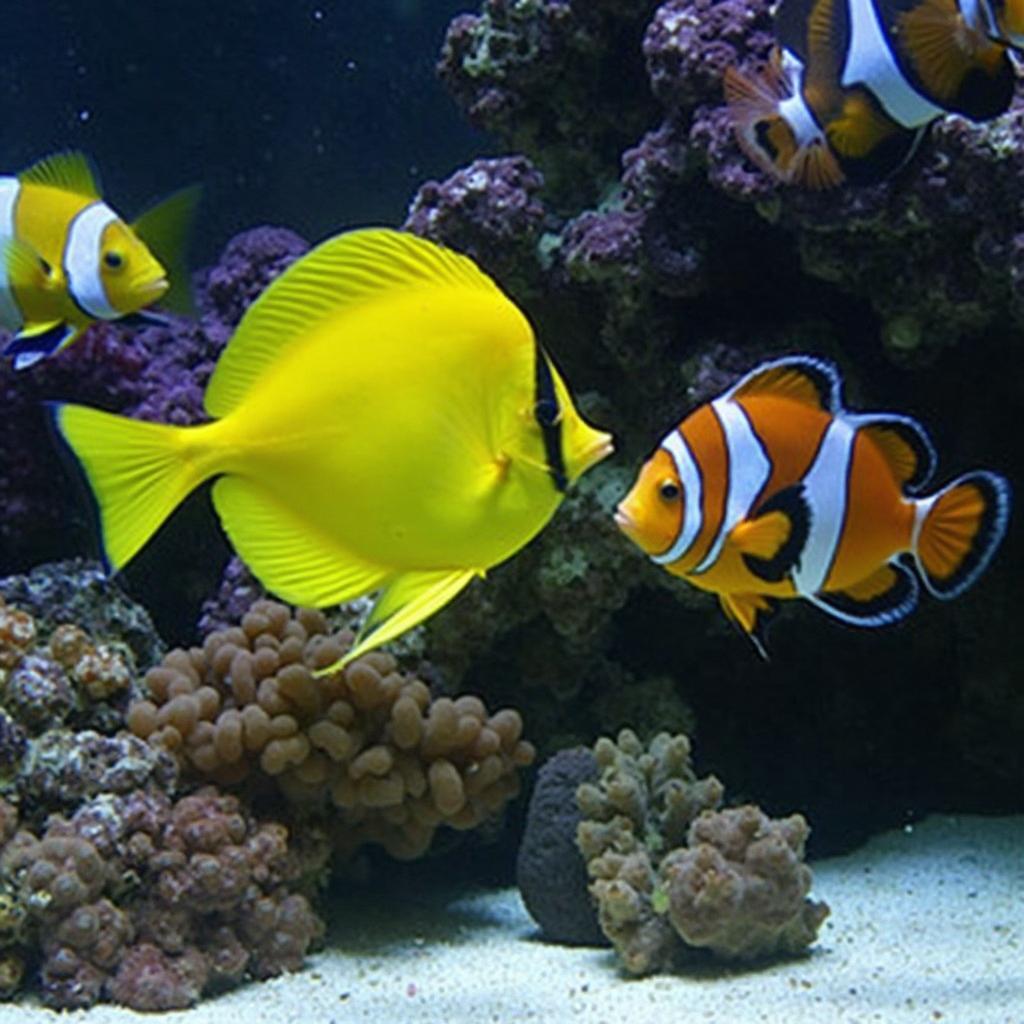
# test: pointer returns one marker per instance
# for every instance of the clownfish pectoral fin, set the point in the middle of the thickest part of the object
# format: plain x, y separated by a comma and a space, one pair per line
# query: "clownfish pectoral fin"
29, 347
807, 379
24, 267
166, 228
403, 603
68, 170
885, 596
772, 542
957, 531
903, 443
750, 613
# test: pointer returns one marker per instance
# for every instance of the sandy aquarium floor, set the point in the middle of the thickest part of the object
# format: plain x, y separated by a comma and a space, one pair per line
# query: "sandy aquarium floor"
927, 926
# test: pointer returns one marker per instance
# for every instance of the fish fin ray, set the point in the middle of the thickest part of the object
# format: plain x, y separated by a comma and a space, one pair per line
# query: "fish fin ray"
751, 614
780, 543
289, 557
885, 596
806, 379
405, 602
961, 528
859, 126
904, 444
166, 228
346, 271
24, 266
68, 169
933, 37
29, 348
135, 469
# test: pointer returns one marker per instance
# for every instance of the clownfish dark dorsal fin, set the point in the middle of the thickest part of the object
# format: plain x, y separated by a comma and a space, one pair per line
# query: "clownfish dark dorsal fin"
903, 443
341, 273
751, 614
889, 594
69, 170
807, 379
772, 542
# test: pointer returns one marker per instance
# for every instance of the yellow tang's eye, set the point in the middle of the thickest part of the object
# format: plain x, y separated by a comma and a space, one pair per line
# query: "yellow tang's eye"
113, 259
669, 490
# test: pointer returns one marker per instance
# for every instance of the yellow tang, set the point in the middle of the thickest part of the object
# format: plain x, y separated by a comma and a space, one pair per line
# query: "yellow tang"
386, 420
67, 259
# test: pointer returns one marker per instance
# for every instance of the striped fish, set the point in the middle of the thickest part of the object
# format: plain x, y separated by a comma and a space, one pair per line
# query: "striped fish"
776, 491
853, 84
67, 259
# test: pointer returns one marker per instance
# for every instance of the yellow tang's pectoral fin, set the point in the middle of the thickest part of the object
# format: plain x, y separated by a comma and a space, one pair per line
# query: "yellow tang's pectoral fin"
289, 556
405, 602
751, 613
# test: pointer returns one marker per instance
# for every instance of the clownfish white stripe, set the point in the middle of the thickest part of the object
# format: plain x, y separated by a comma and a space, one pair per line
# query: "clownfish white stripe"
794, 109
82, 255
870, 63
748, 470
693, 492
10, 315
825, 485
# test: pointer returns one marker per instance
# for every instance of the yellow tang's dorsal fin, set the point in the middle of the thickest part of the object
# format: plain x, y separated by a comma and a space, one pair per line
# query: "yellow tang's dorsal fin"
805, 379
343, 272
69, 170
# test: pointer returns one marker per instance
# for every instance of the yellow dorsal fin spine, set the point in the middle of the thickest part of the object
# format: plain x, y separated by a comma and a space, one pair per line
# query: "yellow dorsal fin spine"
69, 170
343, 272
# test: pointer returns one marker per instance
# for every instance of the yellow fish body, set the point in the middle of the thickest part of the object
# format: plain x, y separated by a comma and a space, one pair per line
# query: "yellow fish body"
385, 420
67, 259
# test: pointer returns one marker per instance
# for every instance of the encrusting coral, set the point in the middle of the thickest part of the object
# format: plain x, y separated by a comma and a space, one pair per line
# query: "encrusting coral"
671, 873
368, 740
150, 903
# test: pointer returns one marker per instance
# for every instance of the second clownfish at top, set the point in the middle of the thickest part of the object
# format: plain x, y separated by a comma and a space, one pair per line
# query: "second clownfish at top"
775, 490
852, 84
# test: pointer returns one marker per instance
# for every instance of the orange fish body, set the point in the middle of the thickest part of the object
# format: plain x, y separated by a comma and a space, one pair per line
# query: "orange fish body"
775, 491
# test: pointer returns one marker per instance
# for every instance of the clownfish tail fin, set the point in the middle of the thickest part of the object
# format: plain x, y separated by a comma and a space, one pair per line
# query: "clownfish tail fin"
958, 529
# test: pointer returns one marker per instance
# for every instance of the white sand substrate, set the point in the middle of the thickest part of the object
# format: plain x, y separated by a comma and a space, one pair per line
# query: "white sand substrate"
927, 926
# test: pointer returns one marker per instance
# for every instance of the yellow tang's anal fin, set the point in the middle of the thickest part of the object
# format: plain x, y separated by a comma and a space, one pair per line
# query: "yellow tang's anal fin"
287, 554
69, 170
405, 603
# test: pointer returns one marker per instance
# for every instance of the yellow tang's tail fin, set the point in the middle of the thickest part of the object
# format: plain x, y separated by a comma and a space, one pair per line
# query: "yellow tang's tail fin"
958, 530
137, 471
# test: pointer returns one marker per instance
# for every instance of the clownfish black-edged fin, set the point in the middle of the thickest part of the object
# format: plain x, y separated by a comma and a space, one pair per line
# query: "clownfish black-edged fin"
890, 155
888, 595
69, 170
903, 443
772, 542
958, 530
751, 614
807, 379
28, 348
964, 71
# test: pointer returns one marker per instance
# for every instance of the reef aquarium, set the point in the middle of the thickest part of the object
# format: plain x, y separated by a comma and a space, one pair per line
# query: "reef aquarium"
509, 511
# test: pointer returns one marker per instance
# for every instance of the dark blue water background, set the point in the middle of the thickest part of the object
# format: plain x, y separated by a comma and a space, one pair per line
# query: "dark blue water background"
315, 116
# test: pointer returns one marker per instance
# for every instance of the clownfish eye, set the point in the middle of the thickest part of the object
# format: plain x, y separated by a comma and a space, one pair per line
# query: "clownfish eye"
669, 490
114, 260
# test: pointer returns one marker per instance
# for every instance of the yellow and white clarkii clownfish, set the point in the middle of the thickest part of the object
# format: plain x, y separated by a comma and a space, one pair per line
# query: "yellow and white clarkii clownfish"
852, 84
67, 259
776, 491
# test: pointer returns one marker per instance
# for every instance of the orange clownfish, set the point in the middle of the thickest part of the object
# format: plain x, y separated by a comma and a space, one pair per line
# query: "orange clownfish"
775, 490
852, 84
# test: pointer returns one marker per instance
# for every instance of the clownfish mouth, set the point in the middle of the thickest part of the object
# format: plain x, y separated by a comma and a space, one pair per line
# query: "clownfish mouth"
624, 521
152, 291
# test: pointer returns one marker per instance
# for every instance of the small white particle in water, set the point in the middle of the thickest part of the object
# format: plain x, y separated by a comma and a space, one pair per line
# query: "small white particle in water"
84, 115
318, 15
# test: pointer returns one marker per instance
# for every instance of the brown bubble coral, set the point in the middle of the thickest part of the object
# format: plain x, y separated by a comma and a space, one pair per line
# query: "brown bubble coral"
369, 740
671, 873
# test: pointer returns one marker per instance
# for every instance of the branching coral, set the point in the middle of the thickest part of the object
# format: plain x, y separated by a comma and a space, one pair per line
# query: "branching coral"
369, 739
666, 865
